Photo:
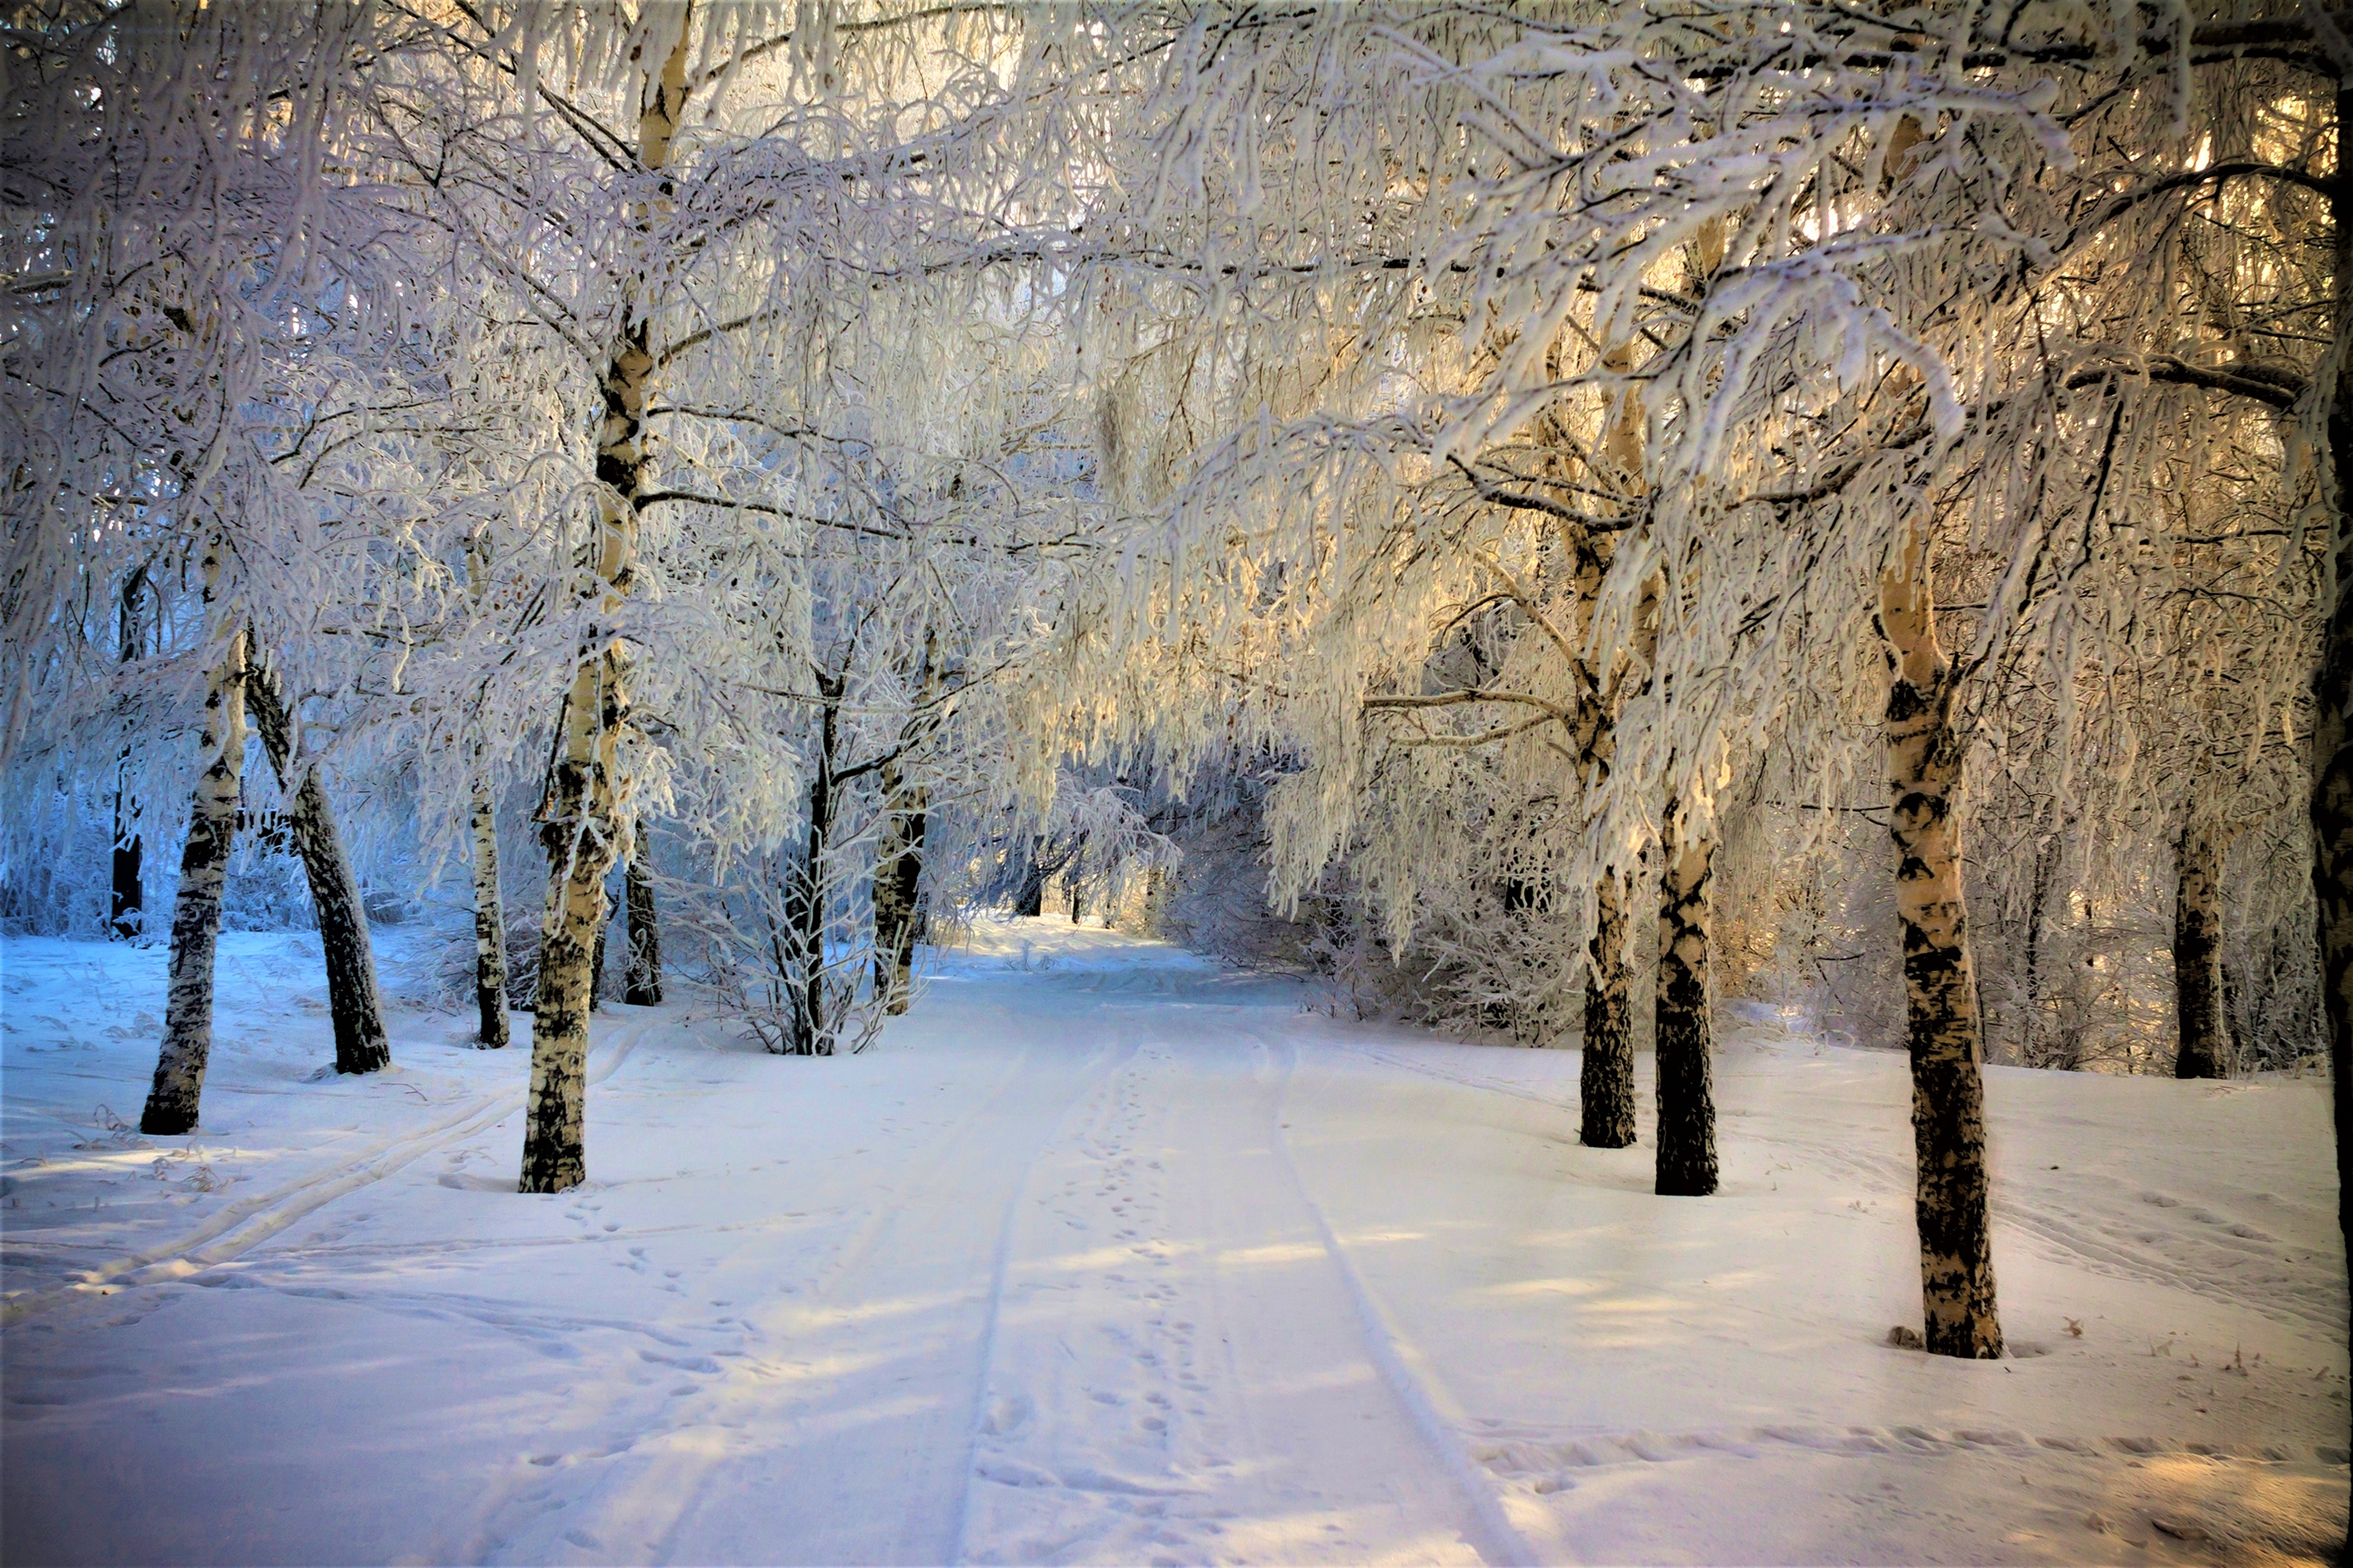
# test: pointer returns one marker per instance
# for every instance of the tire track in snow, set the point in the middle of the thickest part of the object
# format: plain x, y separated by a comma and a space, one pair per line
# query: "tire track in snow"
239, 1228
1439, 1425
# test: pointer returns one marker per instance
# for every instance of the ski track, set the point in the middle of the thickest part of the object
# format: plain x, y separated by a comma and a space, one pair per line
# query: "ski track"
1151, 1452
1091, 1308
1435, 1415
241, 1226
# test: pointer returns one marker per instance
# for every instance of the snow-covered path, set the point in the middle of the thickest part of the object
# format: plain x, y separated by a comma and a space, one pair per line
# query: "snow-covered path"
1107, 1255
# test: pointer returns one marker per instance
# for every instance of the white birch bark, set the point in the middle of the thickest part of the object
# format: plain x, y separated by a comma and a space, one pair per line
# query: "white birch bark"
584, 813
352, 1002
172, 1102
1923, 772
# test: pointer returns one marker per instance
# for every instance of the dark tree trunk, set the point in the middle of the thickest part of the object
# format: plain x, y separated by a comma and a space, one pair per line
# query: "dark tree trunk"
2332, 740
1604, 1076
1686, 1084
2030, 1029
127, 906
597, 956
352, 999
2204, 1050
179, 1086
805, 902
898, 876
1031, 899
644, 987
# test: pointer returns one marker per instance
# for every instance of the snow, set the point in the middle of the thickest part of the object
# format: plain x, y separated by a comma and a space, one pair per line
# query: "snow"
1106, 1253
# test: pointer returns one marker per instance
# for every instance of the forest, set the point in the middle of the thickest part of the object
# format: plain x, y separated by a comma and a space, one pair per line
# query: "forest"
590, 542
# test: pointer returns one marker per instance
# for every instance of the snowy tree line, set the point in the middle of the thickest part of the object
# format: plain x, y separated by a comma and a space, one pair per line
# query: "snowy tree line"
758, 480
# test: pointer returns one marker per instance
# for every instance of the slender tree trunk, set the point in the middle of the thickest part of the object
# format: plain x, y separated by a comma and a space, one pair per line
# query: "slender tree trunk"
597, 957
1078, 864
172, 1102
127, 906
1948, 1132
584, 815
2046, 870
127, 903
643, 986
1686, 1082
352, 1000
490, 903
805, 909
898, 876
2204, 1050
1604, 1076
1030, 900
490, 921
2332, 740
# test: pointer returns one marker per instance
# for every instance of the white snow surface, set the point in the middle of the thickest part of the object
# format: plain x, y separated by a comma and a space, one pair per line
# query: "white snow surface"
1105, 1253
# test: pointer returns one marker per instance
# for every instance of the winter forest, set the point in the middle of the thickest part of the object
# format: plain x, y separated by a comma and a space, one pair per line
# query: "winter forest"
1175, 781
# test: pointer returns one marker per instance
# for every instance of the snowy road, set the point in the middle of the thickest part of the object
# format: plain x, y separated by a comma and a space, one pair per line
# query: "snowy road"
1106, 1254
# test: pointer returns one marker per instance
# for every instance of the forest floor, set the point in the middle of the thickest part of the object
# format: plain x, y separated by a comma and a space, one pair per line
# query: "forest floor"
1108, 1254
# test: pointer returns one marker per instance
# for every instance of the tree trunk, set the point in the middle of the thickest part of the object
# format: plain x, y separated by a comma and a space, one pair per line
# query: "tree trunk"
1948, 1133
2204, 1050
1605, 1078
2332, 740
179, 1084
597, 957
2046, 870
127, 905
805, 908
643, 986
352, 1000
1030, 900
1686, 1088
584, 813
898, 874
490, 921
1078, 864
490, 905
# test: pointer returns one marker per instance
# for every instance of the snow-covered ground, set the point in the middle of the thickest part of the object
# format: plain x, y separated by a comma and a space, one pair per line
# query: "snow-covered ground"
1107, 1254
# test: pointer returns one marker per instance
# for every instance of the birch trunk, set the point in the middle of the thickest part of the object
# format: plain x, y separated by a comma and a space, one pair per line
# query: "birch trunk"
1948, 1132
352, 1000
1605, 1072
172, 1102
643, 988
1686, 1088
489, 905
2205, 1049
584, 813
1605, 1078
490, 921
898, 876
